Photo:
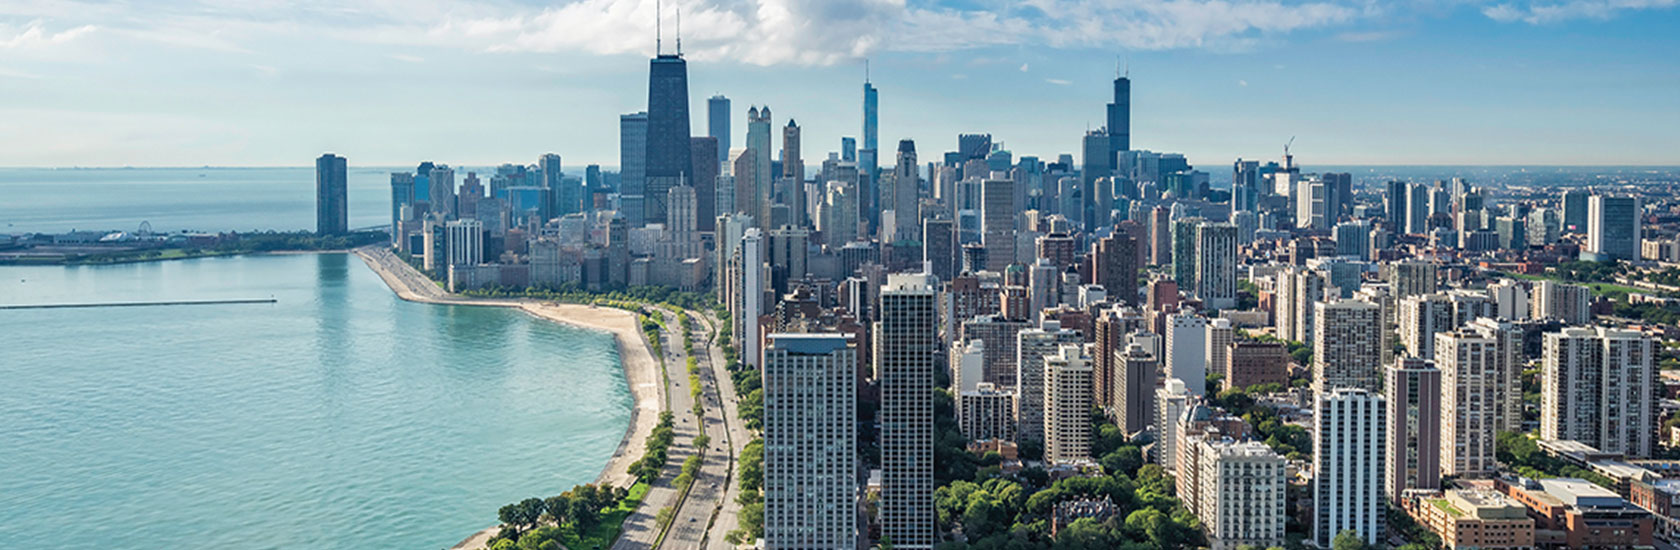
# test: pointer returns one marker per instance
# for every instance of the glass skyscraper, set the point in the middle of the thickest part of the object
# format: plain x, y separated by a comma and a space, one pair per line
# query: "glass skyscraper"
717, 124
668, 149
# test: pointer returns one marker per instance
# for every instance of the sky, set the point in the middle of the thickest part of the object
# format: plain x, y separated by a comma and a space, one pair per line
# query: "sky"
393, 82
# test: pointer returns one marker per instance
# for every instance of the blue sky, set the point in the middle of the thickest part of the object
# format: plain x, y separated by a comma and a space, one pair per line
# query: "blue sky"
391, 82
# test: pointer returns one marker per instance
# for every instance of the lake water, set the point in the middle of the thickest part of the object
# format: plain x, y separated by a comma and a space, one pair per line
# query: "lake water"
338, 418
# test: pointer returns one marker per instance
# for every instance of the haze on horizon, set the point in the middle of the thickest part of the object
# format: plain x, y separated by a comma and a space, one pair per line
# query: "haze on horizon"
1425, 82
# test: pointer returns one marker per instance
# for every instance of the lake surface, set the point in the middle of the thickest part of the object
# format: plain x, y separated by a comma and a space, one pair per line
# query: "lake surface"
338, 418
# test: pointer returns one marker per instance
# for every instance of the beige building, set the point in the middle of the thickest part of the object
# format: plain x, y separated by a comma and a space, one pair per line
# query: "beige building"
1469, 398
1067, 406
1474, 518
1242, 494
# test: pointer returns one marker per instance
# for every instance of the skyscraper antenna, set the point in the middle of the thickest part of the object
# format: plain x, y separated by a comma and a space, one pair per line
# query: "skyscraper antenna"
865, 70
658, 46
1116, 66
1128, 66
679, 31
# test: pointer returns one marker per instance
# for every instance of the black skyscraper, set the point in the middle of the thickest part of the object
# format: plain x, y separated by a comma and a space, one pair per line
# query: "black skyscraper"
668, 147
1120, 120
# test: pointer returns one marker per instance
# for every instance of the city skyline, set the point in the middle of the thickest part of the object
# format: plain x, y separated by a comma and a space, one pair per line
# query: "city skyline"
1206, 82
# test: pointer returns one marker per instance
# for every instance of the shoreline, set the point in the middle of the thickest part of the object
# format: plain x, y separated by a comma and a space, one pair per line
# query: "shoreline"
641, 370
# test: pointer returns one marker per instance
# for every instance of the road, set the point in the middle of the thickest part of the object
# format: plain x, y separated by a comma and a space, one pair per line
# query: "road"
728, 515
690, 529
640, 529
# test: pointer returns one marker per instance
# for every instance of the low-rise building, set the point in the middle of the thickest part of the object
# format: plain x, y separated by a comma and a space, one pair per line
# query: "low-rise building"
1662, 499
1473, 518
1575, 513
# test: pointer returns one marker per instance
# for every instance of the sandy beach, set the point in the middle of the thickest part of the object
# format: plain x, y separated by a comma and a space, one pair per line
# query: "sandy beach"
641, 371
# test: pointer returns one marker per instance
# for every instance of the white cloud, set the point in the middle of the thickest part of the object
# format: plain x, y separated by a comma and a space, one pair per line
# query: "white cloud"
1059, 82
1243, 83
1023, 67
35, 36
1539, 13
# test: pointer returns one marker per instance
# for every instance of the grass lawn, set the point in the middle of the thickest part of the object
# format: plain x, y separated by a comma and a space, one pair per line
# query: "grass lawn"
1448, 507
612, 522
1598, 289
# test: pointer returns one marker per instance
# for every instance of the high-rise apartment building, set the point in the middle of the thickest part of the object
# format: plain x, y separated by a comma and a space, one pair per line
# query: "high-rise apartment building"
1411, 278
906, 347
1596, 387
1216, 265
1114, 262
331, 200
1564, 302
1171, 400
1470, 378
1349, 435
1032, 346
1186, 350
998, 223
1297, 290
1413, 457
1245, 186
1347, 346
751, 296
1134, 388
1067, 405
810, 441
464, 242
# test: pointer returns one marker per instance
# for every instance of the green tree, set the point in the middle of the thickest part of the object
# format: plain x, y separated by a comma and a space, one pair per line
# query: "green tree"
557, 508
1348, 540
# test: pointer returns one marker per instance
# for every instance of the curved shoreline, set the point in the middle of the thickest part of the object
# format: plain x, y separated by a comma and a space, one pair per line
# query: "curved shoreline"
641, 371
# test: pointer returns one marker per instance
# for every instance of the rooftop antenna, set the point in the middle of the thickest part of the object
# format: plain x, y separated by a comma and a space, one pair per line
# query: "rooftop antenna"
679, 31
658, 46
865, 70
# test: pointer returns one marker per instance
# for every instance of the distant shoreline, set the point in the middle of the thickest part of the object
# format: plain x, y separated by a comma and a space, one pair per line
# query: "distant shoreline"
641, 371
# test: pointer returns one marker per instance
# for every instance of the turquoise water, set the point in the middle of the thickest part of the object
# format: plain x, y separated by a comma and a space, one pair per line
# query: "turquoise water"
338, 418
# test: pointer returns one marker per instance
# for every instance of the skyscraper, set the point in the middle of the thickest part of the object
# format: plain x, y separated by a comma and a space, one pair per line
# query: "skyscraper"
1597, 388
331, 202
1114, 261
869, 163
1413, 461
1575, 210
1120, 119
758, 147
1349, 435
1347, 346
998, 223
752, 295
810, 441
1394, 206
717, 124
1095, 147
1242, 493
703, 177
402, 201
1469, 383
1245, 185
906, 218
632, 167
668, 148
906, 347
1613, 228
1216, 265
1186, 350
793, 174
1298, 289
1032, 346
1067, 405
